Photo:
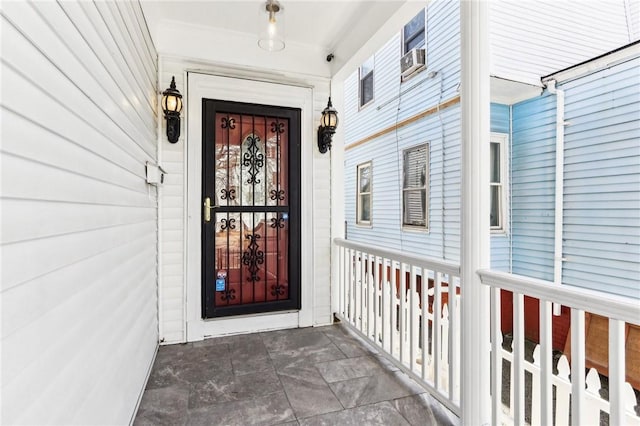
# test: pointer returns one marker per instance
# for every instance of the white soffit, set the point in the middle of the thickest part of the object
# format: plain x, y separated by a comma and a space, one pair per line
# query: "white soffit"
509, 92
319, 27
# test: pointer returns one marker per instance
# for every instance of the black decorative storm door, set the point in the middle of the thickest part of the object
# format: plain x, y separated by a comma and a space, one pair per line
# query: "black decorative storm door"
251, 208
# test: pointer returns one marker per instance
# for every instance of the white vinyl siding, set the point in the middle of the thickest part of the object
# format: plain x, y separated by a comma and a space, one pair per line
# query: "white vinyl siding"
365, 194
533, 39
79, 222
415, 194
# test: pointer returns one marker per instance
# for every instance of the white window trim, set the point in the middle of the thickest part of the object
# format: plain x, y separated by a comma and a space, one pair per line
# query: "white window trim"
503, 140
373, 83
402, 41
364, 223
417, 228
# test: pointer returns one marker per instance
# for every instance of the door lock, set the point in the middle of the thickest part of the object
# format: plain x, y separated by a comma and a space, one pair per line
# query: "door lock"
207, 209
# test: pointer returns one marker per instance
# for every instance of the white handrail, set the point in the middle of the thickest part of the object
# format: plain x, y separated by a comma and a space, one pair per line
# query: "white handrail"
420, 261
607, 305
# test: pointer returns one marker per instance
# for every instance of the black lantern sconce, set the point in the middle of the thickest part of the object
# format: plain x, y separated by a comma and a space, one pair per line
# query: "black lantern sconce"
328, 124
172, 105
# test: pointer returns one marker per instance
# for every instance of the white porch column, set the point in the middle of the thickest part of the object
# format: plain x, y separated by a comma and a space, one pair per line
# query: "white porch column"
475, 246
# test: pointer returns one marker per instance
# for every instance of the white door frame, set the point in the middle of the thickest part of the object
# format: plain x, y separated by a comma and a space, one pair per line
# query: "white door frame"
201, 86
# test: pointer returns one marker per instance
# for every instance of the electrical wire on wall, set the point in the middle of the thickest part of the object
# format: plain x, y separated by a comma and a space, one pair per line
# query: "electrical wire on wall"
442, 175
399, 166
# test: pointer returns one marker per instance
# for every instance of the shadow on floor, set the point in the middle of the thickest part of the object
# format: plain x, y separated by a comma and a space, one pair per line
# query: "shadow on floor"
309, 376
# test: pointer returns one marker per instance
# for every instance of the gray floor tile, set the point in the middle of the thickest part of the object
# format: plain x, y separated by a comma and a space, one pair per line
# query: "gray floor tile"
305, 356
271, 409
416, 409
229, 387
247, 364
345, 342
308, 393
349, 368
165, 406
443, 415
196, 370
381, 413
278, 341
282, 377
367, 390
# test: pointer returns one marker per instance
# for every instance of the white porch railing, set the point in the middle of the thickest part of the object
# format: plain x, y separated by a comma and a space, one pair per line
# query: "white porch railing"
581, 389
408, 306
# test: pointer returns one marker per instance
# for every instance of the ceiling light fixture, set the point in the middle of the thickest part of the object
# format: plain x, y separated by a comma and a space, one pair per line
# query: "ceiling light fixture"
272, 38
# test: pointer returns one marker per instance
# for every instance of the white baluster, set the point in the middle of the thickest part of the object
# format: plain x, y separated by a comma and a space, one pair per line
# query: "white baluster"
444, 353
415, 321
591, 409
437, 329
563, 392
630, 417
577, 366
535, 388
403, 315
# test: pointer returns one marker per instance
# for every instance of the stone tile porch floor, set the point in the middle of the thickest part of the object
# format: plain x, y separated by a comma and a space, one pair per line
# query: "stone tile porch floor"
308, 376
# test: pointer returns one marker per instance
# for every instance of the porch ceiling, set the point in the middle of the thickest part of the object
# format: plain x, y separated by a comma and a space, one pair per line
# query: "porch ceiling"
320, 26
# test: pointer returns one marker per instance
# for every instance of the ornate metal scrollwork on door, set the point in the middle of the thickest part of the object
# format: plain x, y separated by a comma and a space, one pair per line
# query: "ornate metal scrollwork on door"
277, 127
227, 224
253, 158
228, 123
277, 290
277, 222
277, 194
228, 194
228, 295
253, 257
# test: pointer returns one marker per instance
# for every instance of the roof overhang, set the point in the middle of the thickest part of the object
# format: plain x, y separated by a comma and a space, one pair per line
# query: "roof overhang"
596, 64
509, 92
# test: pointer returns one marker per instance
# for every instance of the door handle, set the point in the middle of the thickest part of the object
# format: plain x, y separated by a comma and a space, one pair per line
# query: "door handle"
207, 209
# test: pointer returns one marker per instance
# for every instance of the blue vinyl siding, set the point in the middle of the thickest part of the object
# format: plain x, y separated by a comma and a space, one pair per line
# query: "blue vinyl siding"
602, 181
442, 240
533, 186
440, 130
501, 242
601, 235
421, 92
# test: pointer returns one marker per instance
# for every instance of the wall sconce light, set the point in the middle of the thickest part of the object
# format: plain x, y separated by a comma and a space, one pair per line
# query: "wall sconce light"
172, 105
327, 128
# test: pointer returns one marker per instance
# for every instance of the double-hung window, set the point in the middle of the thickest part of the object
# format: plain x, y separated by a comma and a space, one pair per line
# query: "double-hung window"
415, 185
363, 202
413, 33
366, 82
497, 174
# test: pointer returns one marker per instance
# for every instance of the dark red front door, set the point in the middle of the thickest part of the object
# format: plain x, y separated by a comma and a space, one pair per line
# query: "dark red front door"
251, 208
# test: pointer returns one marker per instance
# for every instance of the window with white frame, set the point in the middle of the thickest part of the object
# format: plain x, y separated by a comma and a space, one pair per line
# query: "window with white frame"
366, 81
415, 194
498, 174
413, 33
363, 203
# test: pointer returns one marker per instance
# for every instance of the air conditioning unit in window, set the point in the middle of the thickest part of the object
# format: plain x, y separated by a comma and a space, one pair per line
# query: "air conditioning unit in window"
412, 62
